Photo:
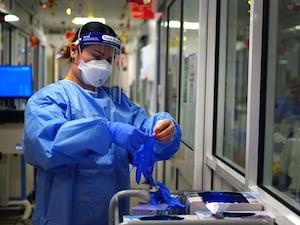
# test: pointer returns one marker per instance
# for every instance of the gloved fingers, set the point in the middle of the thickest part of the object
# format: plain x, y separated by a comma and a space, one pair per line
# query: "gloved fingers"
126, 135
164, 130
144, 160
138, 174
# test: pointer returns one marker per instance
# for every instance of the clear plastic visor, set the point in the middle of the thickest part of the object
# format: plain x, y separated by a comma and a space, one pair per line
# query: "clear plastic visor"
114, 82
100, 52
112, 56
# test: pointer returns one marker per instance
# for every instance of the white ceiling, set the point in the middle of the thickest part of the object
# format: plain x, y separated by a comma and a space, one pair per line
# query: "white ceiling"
55, 19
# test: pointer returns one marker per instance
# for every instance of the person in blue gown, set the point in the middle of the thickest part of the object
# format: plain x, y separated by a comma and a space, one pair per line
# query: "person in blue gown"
287, 117
81, 135
287, 109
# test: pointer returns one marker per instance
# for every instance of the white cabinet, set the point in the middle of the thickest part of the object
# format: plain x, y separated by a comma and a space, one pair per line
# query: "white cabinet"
16, 177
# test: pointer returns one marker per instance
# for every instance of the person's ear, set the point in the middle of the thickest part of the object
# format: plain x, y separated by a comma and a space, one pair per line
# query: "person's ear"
73, 50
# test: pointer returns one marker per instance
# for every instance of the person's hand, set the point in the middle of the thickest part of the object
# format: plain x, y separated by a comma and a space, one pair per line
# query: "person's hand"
126, 135
164, 130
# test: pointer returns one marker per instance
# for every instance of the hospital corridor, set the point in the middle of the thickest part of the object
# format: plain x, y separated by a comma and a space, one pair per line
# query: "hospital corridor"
145, 112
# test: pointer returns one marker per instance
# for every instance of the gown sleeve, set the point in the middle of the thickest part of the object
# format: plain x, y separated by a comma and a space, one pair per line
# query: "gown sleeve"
163, 150
52, 141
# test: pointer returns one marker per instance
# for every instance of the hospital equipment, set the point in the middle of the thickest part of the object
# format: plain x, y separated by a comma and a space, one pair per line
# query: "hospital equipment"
114, 218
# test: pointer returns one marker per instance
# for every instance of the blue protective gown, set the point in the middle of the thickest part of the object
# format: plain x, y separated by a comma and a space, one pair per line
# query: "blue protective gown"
284, 110
78, 168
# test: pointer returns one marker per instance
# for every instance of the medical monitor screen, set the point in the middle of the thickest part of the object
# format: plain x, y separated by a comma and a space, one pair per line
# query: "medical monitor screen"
15, 81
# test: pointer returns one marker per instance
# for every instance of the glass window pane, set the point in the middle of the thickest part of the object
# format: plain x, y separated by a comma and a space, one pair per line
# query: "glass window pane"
32, 60
173, 58
189, 70
172, 77
232, 82
183, 183
5, 46
21, 50
282, 137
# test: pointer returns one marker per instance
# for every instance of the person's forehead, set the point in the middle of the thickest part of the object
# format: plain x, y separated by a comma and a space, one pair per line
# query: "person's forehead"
101, 47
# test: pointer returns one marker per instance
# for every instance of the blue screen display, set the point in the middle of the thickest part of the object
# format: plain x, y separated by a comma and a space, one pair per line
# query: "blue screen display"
15, 81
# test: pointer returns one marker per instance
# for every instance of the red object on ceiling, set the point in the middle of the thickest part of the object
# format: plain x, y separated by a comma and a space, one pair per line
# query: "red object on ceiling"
34, 41
142, 11
70, 35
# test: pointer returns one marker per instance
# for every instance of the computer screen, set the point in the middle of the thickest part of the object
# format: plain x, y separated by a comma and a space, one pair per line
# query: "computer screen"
15, 81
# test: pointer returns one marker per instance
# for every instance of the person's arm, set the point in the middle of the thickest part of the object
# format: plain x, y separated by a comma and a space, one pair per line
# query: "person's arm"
280, 110
164, 127
55, 138
52, 142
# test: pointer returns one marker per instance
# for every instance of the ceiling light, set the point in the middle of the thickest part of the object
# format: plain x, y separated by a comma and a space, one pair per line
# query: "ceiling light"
174, 24
11, 18
68, 11
191, 25
186, 25
84, 20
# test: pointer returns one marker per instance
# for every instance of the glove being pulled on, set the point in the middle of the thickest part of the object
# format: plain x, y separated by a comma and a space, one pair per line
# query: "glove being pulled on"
126, 136
144, 161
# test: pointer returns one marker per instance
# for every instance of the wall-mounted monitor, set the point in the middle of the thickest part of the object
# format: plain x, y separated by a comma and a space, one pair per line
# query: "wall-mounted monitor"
15, 81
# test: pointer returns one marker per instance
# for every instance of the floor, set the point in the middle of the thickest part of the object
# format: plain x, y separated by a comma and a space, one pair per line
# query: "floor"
12, 216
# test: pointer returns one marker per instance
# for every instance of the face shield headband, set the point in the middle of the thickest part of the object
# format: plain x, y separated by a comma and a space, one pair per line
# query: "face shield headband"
93, 38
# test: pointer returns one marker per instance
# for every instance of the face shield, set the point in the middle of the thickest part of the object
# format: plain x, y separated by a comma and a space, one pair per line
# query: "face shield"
114, 82
110, 47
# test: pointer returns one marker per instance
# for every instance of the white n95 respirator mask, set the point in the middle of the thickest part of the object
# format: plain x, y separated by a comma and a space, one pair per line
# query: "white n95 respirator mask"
95, 72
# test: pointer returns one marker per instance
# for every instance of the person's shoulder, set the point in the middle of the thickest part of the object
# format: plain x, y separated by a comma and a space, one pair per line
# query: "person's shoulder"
47, 89
126, 100
58, 90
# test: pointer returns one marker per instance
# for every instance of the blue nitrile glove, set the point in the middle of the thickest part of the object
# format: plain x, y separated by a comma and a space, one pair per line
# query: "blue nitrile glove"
163, 195
144, 161
126, 136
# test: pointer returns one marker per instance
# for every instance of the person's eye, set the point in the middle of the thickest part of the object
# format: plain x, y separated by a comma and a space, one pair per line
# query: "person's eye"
109, 60
98, 55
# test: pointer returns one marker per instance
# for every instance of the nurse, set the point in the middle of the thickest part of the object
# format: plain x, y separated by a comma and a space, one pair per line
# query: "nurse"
82, 132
